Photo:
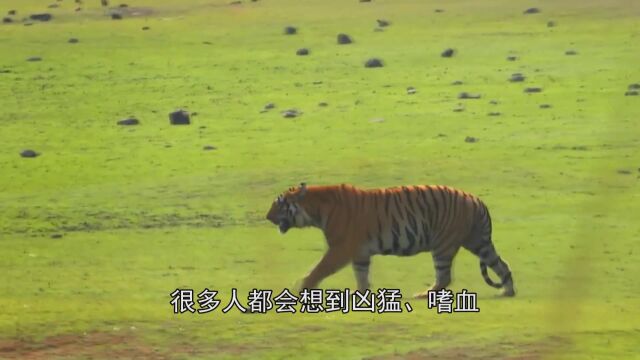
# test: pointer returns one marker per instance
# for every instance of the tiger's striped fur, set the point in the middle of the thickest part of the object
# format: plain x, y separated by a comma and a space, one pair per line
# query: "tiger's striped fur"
402, 221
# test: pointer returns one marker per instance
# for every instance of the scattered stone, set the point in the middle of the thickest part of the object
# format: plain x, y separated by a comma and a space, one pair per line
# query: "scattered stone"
104, 2
123, 5
365, 1
624, 172
545, 106
29, 154
179, 117
551, 23
56, 236
493, 102
383, 23
207, 42
438, 10
129, 121
291, 113
344, 39
634, 87
235, 3
53, 6
411, 90
373, 63
494, 113
571, 52
34, 58
317, 82
533, 90
7, 20
512, 58
457, 82
517, 77
145, 28
323, 104
209, 147
631, 93
376, 120
78, 9
116, 16
448, 53
73, 41
302, 52
290, 30
27, 24
532, 11
269, 106
466, 95
471, 139
11, 12
458, 109
41, 17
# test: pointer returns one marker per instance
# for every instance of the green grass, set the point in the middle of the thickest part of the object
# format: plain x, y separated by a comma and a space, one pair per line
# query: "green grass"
144, 210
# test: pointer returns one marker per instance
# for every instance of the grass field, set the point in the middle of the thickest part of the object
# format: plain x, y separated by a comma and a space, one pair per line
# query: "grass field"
98, 230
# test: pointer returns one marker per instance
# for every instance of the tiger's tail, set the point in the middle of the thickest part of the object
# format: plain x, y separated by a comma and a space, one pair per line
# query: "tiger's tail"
487, 279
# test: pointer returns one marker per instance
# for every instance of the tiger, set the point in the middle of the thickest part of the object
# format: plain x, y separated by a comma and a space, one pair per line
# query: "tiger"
403, 221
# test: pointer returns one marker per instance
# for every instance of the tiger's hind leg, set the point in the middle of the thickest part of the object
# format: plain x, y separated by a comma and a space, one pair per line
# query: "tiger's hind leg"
442, 265
489, 256
361, 271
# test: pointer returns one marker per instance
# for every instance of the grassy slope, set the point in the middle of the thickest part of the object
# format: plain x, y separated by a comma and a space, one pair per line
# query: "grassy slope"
141, 218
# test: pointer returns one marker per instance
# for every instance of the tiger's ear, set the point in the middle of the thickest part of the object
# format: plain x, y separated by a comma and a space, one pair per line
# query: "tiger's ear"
303, 191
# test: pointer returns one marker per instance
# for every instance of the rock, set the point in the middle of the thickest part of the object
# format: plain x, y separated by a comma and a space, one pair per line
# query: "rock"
209, 147
551, 23
466, 95
471, 139
365, 1
411, 90
633, 87
323, 104
517, 77
291, 113
532, 11
545, 106
145, 28
383, 23
631, 93
7, 20
458, 109
571, 52
41, 17
53, 6
78, 9
302, 52
448, 53
11, 12
290, 30
457, 82
269, 106
104, 2
438, 10
373, 63
128, 122
512, 58
56, 236
34, 58
344, 39
376, 120
494, 113
116, 16
179, 117
533, 90
73, 41
29, 153
123, 5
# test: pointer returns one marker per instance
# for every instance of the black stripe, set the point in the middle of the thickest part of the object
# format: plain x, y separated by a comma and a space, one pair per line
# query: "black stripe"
412, 241
434, 212
397, 200
395, 232
387, 198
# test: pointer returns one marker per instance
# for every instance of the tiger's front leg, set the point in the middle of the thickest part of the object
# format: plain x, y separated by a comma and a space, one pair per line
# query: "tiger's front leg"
361, 271
333, 260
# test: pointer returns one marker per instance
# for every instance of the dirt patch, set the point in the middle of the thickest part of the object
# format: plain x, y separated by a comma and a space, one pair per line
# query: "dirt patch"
503, 350
94, 346
137, 11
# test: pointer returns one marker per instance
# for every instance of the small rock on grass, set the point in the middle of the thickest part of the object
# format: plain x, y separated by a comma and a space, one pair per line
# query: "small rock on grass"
129, 122
344, 39
179, 117
471, 139
290, 30
532, 10
28, 153
448, 53
291, 113
373, 63
302, 52
533, 90
466, 95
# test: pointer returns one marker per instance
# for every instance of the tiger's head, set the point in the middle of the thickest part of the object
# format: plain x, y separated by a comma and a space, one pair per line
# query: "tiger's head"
286, 210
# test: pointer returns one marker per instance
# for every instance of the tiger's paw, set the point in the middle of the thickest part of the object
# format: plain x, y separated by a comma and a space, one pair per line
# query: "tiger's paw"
508, 292
422, 295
